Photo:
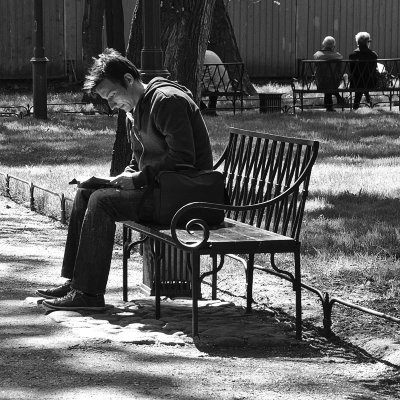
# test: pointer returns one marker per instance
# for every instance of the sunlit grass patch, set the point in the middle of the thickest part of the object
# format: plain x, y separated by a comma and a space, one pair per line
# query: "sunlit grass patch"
62, 139
337, 175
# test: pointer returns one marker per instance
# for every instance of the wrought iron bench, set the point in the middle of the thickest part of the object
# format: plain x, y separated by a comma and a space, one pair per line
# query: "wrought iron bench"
352, 76
224, 80
267, 179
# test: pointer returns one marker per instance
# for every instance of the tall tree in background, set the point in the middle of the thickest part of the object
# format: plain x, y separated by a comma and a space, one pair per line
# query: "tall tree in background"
114, 16
186, 28
92, 37
92, 27
122, 151
135, 41
223, 41
92, 45
176, 22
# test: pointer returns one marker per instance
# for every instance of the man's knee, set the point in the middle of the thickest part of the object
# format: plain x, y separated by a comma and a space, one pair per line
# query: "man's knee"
81, 198
98, 197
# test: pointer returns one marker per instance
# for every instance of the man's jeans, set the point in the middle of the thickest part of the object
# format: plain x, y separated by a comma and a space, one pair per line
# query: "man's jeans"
91, 230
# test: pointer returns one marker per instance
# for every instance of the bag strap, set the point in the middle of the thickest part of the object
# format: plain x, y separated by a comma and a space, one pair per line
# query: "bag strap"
182, 167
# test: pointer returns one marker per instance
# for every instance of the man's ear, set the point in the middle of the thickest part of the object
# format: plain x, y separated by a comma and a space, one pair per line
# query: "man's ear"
128, 78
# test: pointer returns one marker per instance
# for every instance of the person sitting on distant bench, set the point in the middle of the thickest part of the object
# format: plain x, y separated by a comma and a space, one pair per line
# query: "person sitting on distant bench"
328, 75
363, 74
214, 79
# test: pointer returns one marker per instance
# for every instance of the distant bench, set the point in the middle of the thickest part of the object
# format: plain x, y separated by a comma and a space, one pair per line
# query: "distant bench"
267, 179
224, 80
351, 76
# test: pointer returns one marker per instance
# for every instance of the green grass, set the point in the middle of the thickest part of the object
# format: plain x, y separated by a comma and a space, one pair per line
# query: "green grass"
351, 226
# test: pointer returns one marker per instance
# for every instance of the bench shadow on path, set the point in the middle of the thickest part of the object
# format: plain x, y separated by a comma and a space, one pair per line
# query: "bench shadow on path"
275, 339
230, 335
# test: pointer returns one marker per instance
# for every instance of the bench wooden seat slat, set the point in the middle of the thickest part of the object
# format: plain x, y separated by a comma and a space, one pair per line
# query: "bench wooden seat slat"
230, 233
267, 178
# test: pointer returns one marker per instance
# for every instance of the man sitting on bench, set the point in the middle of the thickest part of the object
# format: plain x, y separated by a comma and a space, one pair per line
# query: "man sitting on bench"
167, 129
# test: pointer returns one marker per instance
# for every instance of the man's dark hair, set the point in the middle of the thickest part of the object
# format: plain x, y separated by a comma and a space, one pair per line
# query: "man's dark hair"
109, 65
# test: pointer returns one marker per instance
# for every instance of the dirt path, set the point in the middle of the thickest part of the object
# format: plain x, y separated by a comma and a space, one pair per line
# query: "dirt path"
41, 358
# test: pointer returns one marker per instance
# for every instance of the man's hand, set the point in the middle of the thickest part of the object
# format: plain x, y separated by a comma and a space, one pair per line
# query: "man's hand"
124, 181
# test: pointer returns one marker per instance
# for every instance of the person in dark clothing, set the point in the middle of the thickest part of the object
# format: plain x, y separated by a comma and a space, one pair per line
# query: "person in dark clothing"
167, 129
363, 69
328, 73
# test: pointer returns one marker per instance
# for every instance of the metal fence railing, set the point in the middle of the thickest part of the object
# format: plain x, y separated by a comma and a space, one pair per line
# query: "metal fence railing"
53, 204
84, 108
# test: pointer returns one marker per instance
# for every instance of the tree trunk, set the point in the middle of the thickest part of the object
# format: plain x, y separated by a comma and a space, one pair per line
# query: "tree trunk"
121, 153
223, 41
174, 23
114, 14
185, 33
92, 43
135, 43
92, 25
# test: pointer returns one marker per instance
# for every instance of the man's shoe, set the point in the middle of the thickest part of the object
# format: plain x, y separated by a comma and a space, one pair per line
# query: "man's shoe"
76, 300
56, 293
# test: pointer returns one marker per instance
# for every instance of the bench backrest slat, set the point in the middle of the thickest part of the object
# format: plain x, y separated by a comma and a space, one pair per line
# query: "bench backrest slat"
259, 167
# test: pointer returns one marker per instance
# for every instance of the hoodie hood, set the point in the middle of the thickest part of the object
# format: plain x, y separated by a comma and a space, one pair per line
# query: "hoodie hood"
157, 83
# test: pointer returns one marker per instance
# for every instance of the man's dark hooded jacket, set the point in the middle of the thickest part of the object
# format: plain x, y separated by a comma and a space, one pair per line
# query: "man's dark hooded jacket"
168, 129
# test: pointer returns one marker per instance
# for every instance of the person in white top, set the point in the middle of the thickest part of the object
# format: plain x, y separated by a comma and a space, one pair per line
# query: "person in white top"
215, 79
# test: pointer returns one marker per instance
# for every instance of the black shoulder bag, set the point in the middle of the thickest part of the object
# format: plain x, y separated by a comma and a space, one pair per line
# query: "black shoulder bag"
174, 189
